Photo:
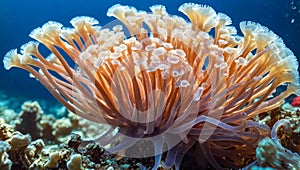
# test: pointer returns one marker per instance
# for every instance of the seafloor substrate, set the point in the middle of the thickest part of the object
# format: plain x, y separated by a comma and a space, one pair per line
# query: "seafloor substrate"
33, 139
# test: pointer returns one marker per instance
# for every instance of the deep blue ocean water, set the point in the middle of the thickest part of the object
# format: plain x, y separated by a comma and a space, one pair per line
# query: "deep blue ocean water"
19, 17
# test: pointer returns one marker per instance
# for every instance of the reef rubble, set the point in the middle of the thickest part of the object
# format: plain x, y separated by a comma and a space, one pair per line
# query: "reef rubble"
33, 139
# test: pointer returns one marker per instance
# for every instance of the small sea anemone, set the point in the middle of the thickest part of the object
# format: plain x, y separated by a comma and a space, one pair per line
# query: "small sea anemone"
169, 81
296, 102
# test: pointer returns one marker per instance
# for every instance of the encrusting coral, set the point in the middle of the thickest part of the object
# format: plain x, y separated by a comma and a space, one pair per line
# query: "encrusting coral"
5, 130
19, 151
271, 153
289, 140
5, 163
169, 81
75, 162
30, 118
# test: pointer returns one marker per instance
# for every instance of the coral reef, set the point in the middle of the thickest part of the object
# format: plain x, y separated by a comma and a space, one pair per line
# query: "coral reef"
19, 143
75, 162
32, 121
30, 118
5, 163
5, 130
270, 153
19, 151
289, 140
8, 115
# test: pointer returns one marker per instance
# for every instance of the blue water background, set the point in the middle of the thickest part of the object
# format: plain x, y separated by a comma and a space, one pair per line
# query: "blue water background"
19, 17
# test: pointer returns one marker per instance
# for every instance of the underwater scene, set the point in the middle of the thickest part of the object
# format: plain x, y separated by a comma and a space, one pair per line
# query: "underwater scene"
140, 85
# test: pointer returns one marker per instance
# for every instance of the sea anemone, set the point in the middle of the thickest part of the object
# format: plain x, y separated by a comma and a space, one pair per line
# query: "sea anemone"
296, 102
170, 81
